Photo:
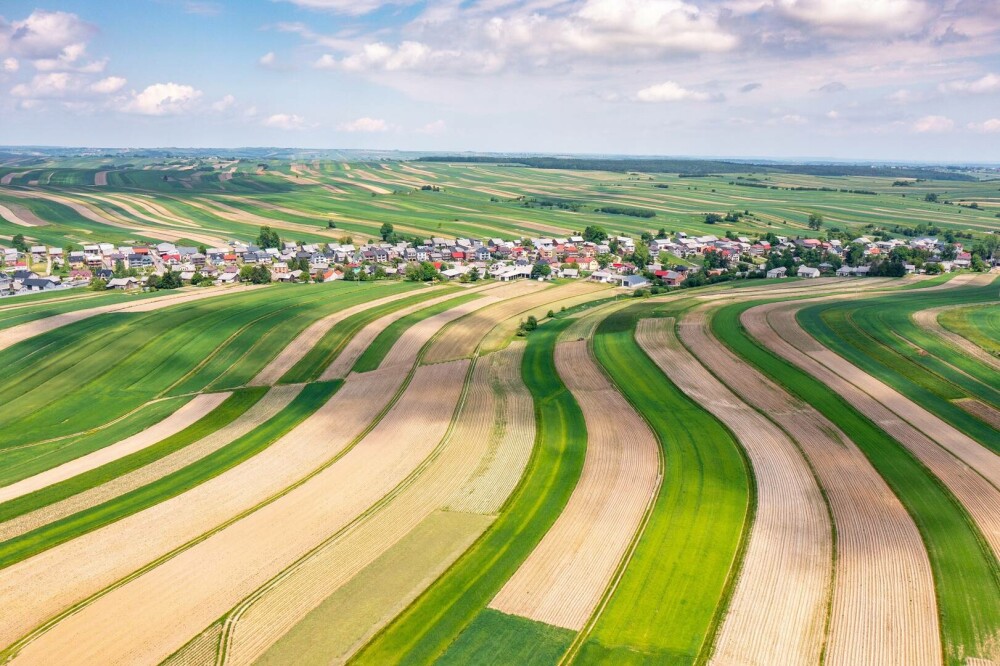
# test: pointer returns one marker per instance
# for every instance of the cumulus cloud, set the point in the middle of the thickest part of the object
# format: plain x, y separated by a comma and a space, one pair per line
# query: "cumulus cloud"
933, 124
991, 126
793, 119
223, 104
987, 84
858, 17
106, 86
364, 125
50, 85
671, 91
436, 127
284, 121
45, 35
162, 99
352, 7
11, 65
267, 59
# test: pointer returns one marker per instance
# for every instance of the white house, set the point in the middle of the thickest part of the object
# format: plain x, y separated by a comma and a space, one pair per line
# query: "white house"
808, 272
778, 272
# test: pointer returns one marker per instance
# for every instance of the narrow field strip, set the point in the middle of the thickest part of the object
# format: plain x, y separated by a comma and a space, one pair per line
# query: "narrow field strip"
789, 558
981, 411
431, 624
204, 581
297, 349
134, 474
565, 577
965, 575
273, 610
928, 319
179, 420
980, 326
969, 471
15, 334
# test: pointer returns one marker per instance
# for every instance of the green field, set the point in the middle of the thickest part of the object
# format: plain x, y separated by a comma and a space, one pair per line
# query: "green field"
980, 325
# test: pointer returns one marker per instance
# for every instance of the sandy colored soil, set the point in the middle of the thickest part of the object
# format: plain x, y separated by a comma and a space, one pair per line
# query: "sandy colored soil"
14, 334
8, 178
227, 175
463, 337
564, 578
236, 215
365, 186
509, 444
981, 411
194, 588
883, 608
307, 339
928, 319
182, 418
266, 616
101, 179
22, 217
270, 405
905, 420
789, 558
98, 559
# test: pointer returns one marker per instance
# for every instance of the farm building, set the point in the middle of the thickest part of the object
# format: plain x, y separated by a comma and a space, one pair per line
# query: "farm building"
808, 272
778, 272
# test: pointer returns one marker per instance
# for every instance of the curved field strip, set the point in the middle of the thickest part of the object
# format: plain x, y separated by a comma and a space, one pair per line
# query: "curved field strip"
177, 453
930, 320
205, 580
789, 558
566, 576
980, 326
883, 606
905, 419
22, 217
15, 334
179, 420
276, 609
461, 339
454, 605
231, 214
14, 315
964, 568
297, 349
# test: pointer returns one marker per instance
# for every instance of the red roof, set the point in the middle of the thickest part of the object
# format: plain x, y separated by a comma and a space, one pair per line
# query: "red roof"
458, 255
437, 264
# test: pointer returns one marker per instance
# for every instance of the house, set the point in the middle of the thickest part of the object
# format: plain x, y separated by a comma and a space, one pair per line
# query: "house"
808, 272
778, 272
512, 273
38, 284
570, 273
845, 271
123, 283
670, 278
631, 281
602, 276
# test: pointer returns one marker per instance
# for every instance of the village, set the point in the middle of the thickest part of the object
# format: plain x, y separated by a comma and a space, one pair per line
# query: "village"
648, 262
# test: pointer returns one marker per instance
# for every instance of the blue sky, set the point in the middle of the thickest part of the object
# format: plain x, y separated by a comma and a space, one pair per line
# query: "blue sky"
867, 79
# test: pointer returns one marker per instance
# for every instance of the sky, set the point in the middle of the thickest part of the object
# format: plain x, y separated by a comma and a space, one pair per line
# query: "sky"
908, 80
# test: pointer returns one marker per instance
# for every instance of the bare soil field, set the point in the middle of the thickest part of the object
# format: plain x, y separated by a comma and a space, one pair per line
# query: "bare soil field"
883, 608
981, 411
789, 558
21, 216
101, 179
566, 575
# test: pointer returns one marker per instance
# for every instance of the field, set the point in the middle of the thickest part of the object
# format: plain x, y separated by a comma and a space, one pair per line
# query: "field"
391, 471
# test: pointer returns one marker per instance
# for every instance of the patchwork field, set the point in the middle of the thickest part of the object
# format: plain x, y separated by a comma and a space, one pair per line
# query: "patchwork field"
388, 471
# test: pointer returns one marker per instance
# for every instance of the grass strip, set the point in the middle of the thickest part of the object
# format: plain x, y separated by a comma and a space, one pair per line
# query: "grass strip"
233, 407
966, 575
383, 342
426, 629
674, 591
980, 325
308, 401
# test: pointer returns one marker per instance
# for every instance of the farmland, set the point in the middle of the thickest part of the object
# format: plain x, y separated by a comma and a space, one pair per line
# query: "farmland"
499, 468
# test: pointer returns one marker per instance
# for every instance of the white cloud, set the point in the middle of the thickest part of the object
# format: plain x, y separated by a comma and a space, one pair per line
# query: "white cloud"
987, 84
793, 119
11, 65
364, 125
284, 121
45, 35
352, 7
671, 91
53, 84
436, 127
833, 114
933, 124
223, 104
162, 99
108, 85
854, 18
267, 59
991, 126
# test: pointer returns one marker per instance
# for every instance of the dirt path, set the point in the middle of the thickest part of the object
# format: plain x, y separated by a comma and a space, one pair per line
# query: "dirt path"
789, 558
564, 578
101, 179
884, 608
928, 319
195, 409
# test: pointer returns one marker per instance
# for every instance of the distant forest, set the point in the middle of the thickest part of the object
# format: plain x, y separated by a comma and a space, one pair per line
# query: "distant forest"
703, 167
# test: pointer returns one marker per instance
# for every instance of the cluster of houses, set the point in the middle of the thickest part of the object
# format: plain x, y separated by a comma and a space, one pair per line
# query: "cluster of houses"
125, 267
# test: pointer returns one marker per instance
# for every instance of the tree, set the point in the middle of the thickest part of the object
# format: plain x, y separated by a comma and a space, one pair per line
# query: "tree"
541, 269
19, 243
815, 221
474, 274
531, 324
978, 264
202, 249
268, 238
119, 268
255, 274
386, 231
931, 197
595, 234
662, 233
712, 218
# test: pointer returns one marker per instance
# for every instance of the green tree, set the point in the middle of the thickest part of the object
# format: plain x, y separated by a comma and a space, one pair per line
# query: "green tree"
119, 268
268, 237
541, 269
474, 274
386, 231
595, 234
19, 243
815, 221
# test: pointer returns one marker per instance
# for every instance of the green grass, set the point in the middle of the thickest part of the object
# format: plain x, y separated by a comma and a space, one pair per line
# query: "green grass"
425, 630
980, 325
380, 346
498, 638
311, 366
675, 588
233, 407
308, 401
966, 574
